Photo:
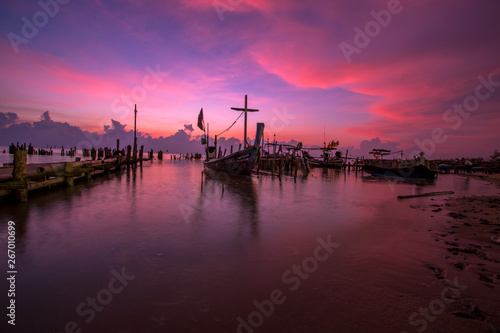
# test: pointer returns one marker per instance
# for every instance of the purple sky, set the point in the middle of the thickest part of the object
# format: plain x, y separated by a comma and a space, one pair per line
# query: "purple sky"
413, 75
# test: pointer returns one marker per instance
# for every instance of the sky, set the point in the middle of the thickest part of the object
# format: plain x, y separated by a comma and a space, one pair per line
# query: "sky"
404, 75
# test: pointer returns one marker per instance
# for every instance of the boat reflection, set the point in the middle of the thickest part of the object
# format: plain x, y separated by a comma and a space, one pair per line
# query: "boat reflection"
232, 193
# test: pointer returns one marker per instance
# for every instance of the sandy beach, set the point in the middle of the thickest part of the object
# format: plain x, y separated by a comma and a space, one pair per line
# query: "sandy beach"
468, 230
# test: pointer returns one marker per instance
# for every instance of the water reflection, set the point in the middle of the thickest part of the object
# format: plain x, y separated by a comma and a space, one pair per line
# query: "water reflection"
240, 192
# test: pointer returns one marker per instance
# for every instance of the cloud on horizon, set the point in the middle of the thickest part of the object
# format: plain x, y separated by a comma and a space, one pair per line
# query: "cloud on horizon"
90, 64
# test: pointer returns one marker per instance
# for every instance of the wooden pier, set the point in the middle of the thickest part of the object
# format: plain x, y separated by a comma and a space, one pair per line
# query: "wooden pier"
18, 179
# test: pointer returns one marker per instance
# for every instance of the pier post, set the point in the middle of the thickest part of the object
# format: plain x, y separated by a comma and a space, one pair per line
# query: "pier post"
68, 178
134, 153
117, 144
20, 175
129, 149
295, 171
282, 164
141, 151
346, 157
231, 149
160, 155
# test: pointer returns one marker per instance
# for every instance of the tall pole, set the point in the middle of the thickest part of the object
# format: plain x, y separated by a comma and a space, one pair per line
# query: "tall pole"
245, 134
135, 122
135, 135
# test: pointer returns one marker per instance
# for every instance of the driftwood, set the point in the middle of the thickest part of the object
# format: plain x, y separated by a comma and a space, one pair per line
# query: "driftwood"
430, 194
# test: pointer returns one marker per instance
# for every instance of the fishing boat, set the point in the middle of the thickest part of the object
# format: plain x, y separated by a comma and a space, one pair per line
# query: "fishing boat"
242, 162
406, 169
327, 159
414, 172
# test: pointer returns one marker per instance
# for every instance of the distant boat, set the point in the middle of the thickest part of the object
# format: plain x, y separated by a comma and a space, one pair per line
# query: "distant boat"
327, 161
240, 163
414, 172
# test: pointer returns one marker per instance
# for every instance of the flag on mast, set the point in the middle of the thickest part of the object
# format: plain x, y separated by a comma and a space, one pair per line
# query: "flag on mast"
201, 123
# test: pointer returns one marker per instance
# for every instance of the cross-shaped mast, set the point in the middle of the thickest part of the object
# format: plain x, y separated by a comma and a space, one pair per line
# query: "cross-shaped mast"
246, 109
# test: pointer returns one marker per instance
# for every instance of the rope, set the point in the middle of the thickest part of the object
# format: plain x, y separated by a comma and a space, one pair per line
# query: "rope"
227, 129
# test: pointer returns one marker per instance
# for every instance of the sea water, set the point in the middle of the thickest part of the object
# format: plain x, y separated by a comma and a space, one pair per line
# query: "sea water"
163, 248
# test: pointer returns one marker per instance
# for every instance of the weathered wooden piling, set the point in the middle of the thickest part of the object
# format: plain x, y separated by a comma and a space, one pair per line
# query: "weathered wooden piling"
68, 174
160, 155
129, 149
20, 176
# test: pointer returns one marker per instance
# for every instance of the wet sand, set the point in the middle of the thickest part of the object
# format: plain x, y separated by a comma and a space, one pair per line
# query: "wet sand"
492, 178
468, 231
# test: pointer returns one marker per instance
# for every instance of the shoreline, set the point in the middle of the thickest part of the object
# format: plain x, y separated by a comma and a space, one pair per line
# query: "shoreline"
467, 232
492, 178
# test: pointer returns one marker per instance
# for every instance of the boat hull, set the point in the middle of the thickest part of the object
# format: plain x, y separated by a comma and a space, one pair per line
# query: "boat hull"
240, 163
414, 172
329, 164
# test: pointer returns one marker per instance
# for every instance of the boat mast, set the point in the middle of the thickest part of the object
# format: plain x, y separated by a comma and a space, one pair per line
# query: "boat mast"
246, 109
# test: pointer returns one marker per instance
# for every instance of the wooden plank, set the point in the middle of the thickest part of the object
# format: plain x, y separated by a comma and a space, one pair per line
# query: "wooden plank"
45, 183
430, 194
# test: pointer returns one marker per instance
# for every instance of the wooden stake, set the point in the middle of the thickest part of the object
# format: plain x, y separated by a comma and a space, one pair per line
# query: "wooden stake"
430, 194
20, 175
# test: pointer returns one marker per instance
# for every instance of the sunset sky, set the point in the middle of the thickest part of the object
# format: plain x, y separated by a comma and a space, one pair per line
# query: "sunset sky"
421, 74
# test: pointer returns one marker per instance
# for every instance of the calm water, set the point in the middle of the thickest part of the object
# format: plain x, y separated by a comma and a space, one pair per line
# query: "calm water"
246, 256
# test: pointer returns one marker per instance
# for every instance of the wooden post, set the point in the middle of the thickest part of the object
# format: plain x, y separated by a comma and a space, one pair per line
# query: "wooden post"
282, 164
296, 169
129, 149
231, 149
225, 150
117, 144
239, 148
259, 161
215, 145
68, 178
20, 175
134, 157
160, 155
141, 153
346, 155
